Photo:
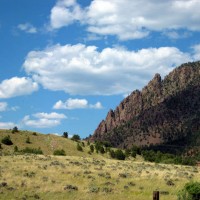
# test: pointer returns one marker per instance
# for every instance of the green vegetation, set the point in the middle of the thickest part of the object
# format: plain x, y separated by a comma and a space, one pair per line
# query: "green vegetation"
59, 152
6, 140
158, 157
118, 154
191, 191
31, 150
76, 137
79, 147
91, 148
28, 140
16, 149
65, 134
15, 130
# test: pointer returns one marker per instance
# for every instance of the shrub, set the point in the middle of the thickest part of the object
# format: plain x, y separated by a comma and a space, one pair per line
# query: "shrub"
6, 140
112, 153
59, 152
79, 147
15, 129
191, 191
133, 154
83, 144
28, 140
92, 148
16, 149
119, 154
70, 187
32, 151
101, 149
0, 146
34, 133
127, 152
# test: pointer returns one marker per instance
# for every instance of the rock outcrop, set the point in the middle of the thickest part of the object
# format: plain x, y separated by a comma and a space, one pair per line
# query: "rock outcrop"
165, 110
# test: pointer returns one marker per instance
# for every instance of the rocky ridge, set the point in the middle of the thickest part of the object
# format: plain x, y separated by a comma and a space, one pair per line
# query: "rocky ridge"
159, 113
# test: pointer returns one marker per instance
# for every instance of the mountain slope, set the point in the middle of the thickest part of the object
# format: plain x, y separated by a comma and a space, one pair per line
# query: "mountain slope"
164, 111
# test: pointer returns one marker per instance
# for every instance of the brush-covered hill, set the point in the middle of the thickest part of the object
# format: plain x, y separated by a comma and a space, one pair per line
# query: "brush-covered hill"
47, 143
165, 112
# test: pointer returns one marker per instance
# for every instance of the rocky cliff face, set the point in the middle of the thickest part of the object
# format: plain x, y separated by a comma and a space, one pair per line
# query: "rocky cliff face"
165, 110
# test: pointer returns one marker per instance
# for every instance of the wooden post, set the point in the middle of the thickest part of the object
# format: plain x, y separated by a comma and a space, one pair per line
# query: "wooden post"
156, 195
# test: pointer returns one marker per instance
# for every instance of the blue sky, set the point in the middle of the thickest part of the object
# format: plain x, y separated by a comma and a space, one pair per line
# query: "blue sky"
65, 63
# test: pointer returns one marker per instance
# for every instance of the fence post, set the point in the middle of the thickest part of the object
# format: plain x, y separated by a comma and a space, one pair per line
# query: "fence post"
156, 195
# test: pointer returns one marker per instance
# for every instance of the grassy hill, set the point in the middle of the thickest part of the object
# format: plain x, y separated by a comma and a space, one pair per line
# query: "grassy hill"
48, 143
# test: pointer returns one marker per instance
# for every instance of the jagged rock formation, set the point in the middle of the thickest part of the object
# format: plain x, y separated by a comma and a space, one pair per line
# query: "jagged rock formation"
164, 111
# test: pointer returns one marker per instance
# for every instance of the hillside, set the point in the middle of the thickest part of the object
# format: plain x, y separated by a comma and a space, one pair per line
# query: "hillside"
165, 112
48, 143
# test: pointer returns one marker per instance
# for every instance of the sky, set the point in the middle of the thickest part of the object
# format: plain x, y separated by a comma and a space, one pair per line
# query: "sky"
65, 63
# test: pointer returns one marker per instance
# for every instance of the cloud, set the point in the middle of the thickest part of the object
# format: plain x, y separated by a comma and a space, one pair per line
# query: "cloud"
3, 106
52, 115
76, 104
17, 87
27, 27
83, 70
64, 13
7, 125
176, 35
196, 49
128, 19
43, 120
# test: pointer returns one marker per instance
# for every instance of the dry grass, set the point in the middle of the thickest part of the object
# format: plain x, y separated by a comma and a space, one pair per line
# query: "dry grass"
82, 176
50, 177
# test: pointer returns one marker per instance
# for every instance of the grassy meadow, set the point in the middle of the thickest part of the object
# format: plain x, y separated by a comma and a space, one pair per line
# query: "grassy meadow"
83, 176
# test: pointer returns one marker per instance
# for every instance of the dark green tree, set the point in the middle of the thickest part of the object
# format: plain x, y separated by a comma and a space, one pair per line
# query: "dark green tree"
15, 129
65, 135
76, 137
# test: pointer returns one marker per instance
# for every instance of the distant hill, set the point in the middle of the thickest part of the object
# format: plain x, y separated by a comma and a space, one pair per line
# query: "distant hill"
48, 143
165, 112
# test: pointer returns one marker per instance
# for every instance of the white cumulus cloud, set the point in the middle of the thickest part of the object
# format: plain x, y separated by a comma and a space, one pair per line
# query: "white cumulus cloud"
64, 13
76, 104
43, 120
128, 19
17, 86
52, 115
83, 70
